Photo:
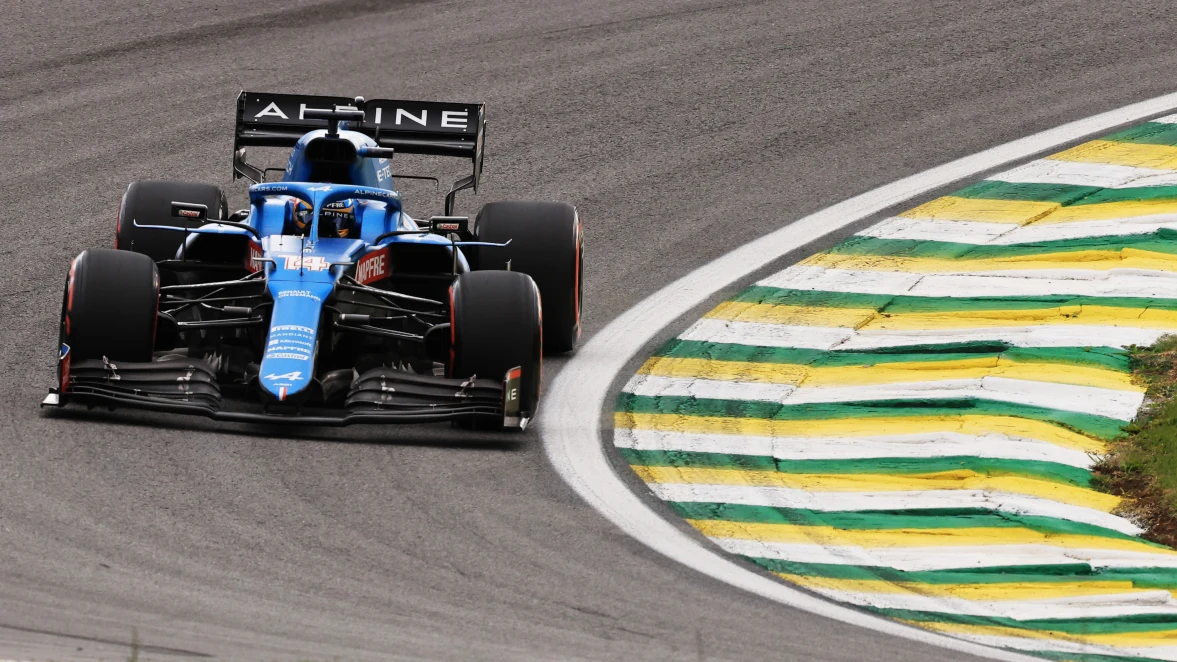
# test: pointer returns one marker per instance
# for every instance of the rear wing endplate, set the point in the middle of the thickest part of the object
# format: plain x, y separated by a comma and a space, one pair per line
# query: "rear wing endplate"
411, 127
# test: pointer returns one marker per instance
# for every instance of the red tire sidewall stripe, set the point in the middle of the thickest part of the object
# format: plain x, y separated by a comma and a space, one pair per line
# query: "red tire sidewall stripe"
539, 308
69, 300
453, 332
155, 319
63, 362
576, 275
118, 223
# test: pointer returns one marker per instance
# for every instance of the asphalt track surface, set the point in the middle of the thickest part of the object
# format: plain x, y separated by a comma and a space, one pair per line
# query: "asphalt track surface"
680, 129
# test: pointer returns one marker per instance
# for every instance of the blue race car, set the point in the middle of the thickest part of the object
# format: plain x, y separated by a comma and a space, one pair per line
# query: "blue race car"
323, 302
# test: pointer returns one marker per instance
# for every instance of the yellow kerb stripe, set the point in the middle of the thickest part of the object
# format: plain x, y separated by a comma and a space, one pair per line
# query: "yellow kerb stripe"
866, 319
1016, 212
828, 536
1161, 157
887, 373
960, 479
986, 592
863, 427
796, 315
1086, 260
1142, 318
1110, 210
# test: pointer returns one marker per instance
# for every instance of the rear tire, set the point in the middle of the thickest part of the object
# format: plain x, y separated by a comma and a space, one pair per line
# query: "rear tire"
546, 244
110, 306
150, 203
495, 326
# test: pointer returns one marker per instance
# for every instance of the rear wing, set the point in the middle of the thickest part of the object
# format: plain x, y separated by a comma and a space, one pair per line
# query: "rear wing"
411, 127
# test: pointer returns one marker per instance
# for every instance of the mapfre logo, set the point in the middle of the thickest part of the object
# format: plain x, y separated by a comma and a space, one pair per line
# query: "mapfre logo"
252, 255
372, 267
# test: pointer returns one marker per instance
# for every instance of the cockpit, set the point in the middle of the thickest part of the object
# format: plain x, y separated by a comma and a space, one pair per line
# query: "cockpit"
329, 159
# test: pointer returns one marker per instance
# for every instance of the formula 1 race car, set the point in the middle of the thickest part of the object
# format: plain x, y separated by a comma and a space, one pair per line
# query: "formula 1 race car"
324, 303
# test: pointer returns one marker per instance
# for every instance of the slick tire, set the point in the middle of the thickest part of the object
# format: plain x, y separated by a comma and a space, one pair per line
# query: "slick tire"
495, 326
546, 244
109, 307
149, 202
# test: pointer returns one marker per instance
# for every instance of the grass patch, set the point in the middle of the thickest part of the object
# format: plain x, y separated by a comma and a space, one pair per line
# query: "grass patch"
1142, 464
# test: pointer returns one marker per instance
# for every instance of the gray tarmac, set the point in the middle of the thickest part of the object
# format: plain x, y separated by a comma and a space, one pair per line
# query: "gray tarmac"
679, 128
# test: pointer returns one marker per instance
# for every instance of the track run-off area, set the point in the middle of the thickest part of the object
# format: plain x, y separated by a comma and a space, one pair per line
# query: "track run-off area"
906, 421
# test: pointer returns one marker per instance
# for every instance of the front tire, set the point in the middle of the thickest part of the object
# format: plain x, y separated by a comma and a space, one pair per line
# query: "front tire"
110, 305
149, 202
495, 326
546, 244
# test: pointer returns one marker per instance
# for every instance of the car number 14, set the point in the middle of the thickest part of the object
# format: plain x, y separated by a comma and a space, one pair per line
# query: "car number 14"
308, 262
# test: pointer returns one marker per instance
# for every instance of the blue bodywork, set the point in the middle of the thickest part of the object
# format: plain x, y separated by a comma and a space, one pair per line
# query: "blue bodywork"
302, 271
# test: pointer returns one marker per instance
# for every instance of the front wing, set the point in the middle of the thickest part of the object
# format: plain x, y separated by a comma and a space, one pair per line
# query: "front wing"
380, 395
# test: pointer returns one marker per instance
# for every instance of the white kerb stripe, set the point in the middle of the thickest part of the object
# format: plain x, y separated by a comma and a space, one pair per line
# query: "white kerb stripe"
1076, 173
994, 284
1167, 119
1002, 234
1031, 644
945, 557
766, 335
1120, 405
1046, 335
932, 444
1093, 606
759, 334
924, 229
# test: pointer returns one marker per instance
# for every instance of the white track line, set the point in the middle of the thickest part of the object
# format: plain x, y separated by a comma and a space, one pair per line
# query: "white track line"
570, 421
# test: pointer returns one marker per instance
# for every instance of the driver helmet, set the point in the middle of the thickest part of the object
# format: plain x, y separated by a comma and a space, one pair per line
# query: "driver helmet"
339, 218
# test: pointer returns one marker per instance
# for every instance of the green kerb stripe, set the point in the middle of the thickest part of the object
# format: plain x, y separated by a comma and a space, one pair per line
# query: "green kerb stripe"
1094, 625
1053, 471
998, 190
1101, 427
1151, 578
1149, 133
1137, 194
959, 518
899, 304
1083, 657
1100, 357
1064, 194
1164, 242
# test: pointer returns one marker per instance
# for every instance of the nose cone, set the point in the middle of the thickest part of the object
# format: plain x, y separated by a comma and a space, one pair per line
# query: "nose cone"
300, 280
288, 363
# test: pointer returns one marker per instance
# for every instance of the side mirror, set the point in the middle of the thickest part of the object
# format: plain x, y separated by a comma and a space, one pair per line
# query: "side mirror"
459, 225
377, 152
189, 211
